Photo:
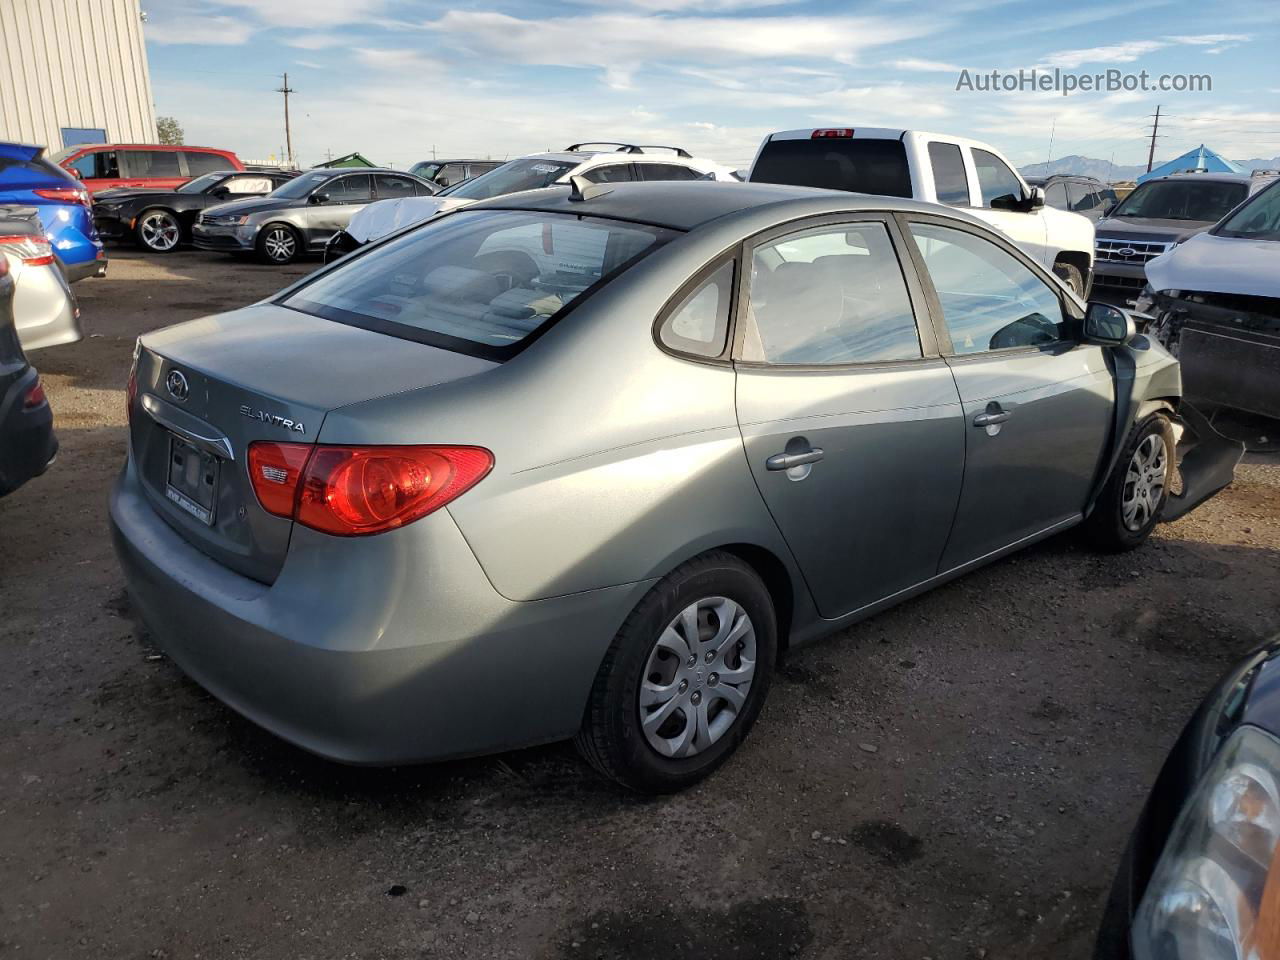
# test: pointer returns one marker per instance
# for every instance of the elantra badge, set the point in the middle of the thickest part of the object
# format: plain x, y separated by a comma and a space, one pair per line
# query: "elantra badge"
270, 419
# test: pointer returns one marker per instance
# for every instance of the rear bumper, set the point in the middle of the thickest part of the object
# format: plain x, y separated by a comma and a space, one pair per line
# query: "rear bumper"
378, 650
90, 268
27, 441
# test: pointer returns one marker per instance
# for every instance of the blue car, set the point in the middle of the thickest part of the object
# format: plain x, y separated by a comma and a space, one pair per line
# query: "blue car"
27, 178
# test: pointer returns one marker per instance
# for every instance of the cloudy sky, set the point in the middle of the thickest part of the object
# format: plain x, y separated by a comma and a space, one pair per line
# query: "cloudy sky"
395, 78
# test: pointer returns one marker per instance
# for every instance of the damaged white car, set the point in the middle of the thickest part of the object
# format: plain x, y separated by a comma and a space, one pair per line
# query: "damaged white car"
1214, 302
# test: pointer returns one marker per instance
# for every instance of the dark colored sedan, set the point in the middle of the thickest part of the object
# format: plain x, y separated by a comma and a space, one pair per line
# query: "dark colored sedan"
1200, 878
161, 219
27, 443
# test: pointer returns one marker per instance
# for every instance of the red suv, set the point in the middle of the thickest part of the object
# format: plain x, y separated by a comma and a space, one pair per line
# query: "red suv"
101, 166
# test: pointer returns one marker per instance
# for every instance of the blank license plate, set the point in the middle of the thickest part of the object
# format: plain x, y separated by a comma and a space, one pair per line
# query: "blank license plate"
193, 479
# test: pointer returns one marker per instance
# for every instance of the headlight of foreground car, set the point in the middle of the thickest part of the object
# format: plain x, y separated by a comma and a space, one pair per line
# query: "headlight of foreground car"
1215, 894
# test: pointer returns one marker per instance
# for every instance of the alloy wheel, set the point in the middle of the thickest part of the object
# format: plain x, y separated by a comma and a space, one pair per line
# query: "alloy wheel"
280, 244
697, 677
160, 231
1144, 482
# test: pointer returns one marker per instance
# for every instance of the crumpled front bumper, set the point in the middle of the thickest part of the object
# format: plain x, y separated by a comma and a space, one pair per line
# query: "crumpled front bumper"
1207, 465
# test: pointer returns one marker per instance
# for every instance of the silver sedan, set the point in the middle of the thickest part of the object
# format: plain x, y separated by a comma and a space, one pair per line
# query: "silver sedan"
584, 462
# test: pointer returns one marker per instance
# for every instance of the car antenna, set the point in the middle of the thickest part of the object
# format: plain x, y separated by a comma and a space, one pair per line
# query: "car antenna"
580, 188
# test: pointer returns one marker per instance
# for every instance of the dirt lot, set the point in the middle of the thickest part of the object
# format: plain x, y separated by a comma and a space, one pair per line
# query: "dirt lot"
954, 778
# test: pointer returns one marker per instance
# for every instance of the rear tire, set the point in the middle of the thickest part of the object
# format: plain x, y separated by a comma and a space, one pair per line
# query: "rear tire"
278, 244
663, 713
158, 231
1134, 496
1072, 277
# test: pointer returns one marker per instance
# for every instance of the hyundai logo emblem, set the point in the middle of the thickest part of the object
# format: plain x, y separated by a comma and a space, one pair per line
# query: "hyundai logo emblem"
1127, 251
176, 384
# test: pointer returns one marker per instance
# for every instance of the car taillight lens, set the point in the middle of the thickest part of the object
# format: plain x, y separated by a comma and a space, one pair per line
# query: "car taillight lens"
35, 397
131, 391
355, 491
64, 194
33, 251
833, 132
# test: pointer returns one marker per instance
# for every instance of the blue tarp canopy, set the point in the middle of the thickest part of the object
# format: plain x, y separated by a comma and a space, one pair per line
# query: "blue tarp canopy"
1201, 158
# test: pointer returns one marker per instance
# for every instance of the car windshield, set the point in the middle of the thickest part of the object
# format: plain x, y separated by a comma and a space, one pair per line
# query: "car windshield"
1206, 201
512, 177
301, 186
863, 166
201, 184
477, 282
1259, 219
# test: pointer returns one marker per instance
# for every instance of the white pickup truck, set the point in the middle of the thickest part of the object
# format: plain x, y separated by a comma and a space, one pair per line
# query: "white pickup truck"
940, 169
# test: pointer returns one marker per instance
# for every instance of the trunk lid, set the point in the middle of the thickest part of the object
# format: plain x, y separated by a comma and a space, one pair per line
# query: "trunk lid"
210, 387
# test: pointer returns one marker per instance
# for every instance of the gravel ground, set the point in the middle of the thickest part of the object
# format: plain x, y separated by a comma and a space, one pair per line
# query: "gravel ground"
954, 778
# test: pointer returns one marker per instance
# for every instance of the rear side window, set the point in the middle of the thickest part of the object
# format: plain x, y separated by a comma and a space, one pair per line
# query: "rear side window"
830, 295
153, 164
949, 180
451, 174
478, 282
1055, 195
699, 323
390, 187
666, 171
613, 173
253, 185
862, 166
995, 179
199, 162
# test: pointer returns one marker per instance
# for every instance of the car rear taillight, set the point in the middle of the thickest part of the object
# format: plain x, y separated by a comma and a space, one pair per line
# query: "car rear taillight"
832, 132
33, 251
354, 491
35, 396
131, 391
64, 194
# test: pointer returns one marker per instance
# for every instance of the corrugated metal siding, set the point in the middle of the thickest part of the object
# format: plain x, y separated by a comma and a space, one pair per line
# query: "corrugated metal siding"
74, 63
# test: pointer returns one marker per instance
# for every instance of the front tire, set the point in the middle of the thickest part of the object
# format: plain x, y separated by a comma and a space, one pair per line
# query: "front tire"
158, 231
278, 244
684, 679
1134, 496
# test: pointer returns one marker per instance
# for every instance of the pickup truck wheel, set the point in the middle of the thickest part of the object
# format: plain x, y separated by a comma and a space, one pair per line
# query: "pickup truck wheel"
684, 678
1131, 502
1071, 276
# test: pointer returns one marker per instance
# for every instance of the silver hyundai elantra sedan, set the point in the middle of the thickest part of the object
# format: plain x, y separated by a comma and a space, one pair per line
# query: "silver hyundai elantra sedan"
583, 462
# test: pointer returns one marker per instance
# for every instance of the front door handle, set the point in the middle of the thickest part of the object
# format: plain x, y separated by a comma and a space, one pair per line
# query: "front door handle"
785, 461
990, 419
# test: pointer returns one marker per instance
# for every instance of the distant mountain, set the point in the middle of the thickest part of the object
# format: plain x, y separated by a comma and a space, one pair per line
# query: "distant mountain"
1103, 170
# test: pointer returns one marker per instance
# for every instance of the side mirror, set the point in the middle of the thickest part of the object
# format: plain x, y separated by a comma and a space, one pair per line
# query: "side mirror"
220, 192
1108, 326
1035, 201
1106, 211
318, 198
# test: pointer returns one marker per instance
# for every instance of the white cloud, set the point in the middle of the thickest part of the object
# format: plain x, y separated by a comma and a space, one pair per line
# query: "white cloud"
1211, 39
1125, 52
197, 29
309, 13
414, 64
315, 41
924, 66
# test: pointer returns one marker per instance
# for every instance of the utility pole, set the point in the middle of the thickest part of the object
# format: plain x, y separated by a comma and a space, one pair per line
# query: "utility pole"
288, 135
1052, 130
1151, 154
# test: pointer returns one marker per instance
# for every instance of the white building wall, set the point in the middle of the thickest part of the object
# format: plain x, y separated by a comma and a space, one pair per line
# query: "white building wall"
74, 63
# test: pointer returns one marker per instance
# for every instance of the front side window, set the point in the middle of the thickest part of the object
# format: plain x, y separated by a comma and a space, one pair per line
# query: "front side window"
666, 171
1183, 199
350, 189
479, 282
527, 174
199, 162
862, 166
390, 187
85, 168
830, 295
1055, 195
451, 174
996, 180
699, 323
1259, 219
990, 300
949, 179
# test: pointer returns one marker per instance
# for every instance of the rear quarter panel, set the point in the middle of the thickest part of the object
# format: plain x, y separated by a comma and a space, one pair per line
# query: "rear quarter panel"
614, 461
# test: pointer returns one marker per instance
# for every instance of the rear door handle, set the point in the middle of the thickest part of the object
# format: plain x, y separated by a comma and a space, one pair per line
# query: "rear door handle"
785, 461
990, 419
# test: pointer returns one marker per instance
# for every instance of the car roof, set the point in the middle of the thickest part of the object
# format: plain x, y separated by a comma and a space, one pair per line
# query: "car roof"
339, 170
685, 205
1212, 177
146, 146
460, 160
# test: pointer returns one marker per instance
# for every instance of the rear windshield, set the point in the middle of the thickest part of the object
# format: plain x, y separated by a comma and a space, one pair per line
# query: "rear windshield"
861, 166
14, 172
1259, 219
1204, 200
478, 282
512, 177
